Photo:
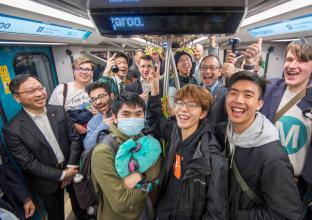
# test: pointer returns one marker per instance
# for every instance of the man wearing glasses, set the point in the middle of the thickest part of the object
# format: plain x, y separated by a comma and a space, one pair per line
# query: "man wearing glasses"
193, 181
210, 74
101, 98
43, 141
72, 95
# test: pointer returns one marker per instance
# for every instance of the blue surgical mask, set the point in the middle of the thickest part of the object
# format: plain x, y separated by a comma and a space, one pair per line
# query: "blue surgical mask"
130, 126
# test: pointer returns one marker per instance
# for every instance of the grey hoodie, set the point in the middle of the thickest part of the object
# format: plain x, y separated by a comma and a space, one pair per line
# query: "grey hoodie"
259, 133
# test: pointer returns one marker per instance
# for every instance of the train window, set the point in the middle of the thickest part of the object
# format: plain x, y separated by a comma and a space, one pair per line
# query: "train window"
36, 64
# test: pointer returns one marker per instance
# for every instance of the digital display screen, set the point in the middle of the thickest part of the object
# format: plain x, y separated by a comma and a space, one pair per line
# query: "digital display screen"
294, 25
12, 24
119, 23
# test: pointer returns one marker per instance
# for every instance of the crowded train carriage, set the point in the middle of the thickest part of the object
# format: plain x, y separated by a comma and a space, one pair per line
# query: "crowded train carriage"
145, 109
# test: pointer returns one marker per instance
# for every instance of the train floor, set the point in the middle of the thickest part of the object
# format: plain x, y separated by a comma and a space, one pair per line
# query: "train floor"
69, 215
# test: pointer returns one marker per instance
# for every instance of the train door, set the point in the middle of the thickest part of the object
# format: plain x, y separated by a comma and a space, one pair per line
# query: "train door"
15, 60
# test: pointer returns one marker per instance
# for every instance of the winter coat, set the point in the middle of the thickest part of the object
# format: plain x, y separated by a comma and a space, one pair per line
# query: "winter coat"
202, 192
266, 169
117, 202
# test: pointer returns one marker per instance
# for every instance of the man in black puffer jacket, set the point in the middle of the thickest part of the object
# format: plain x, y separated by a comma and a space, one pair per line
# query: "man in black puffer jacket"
193, 182
253, 147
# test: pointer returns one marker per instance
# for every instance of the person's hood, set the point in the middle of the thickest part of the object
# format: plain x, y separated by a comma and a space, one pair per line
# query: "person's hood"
261, 132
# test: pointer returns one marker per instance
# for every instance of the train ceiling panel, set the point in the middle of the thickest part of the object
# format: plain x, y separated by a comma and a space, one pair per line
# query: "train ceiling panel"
79, 8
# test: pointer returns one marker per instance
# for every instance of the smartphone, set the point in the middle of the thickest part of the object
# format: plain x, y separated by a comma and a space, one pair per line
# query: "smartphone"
234, 42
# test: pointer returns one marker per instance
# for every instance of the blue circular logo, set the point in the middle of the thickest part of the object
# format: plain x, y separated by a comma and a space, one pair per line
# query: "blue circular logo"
292, 133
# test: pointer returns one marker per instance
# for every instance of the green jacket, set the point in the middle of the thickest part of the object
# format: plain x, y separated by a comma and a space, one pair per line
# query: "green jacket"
117, 202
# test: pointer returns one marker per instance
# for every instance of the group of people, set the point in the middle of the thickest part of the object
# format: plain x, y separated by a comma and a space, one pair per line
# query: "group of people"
233, 145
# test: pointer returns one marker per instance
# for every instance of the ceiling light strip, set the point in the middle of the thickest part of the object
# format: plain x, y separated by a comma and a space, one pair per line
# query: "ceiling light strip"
278, 10
48, 11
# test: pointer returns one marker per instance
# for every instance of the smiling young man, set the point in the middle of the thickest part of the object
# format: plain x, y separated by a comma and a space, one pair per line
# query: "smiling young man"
72, 95
141, 86
101, 99
116, 80
184, 64
193, 183
255, 154
294, 129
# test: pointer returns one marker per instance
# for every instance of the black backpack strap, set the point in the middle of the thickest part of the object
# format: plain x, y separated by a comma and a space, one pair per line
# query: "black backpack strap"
65, 93
101, 135
245, 188
109, 140
242, 183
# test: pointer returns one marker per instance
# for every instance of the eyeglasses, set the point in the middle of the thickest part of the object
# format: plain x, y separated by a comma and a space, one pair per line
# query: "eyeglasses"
189, 105
32, 91
211, 68
86, 70
101, 96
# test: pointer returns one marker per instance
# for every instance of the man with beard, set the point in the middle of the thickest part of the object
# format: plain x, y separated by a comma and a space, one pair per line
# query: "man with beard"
101, 98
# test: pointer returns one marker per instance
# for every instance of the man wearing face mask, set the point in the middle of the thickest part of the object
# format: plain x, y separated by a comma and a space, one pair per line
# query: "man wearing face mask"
120, 199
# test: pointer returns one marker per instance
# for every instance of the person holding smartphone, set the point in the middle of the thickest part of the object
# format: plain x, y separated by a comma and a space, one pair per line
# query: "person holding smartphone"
101, 97
115, 72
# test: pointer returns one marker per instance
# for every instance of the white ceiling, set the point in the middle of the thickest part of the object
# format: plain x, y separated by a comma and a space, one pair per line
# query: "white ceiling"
78, 7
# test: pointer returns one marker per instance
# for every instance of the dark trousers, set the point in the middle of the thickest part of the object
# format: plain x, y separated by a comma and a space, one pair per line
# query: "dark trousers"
80, 214
54, 204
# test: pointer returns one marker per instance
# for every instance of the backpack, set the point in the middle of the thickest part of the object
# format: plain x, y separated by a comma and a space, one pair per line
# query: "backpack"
86, 193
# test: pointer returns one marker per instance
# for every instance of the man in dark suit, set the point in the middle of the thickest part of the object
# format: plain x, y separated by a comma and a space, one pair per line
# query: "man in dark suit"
43, 141
14, 195
210, 74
